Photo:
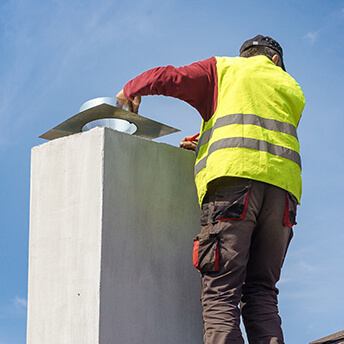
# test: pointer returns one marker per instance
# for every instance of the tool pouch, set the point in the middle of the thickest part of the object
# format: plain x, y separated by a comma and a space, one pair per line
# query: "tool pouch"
206, 252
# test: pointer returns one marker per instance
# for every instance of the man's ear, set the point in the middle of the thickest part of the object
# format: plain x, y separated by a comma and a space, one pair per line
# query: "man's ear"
275, 59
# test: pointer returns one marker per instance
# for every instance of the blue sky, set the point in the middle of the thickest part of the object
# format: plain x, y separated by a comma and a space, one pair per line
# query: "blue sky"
55, 55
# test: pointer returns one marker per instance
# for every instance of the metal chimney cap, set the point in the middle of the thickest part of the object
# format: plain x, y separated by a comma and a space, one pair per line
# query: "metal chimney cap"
97, 101
99, 108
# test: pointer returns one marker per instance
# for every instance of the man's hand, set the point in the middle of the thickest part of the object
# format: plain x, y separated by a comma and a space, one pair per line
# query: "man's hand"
132, 106
189, 142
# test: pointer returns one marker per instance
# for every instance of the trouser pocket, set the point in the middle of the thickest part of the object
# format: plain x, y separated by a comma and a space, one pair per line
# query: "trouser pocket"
206, 252
229, 202
289, 219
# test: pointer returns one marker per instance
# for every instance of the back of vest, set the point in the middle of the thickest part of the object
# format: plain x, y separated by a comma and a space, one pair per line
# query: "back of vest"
252, 133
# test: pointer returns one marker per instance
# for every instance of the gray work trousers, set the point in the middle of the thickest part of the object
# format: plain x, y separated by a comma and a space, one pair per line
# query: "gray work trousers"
246, 230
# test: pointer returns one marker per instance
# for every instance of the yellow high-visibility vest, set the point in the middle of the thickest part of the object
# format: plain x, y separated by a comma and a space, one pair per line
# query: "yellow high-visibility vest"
252, 133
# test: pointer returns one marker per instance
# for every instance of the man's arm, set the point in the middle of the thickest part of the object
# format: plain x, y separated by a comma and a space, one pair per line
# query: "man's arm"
195, 84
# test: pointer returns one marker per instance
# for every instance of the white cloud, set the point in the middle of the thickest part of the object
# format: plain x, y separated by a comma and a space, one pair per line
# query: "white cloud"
312, 36
20, 303
331, 22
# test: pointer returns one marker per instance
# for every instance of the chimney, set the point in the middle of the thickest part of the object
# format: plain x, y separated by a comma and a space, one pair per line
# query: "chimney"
112, 221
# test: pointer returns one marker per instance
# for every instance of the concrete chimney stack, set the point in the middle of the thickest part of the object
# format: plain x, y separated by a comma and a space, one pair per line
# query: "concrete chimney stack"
112, 221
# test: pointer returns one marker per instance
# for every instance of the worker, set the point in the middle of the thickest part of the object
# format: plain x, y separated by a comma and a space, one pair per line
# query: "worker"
248, 179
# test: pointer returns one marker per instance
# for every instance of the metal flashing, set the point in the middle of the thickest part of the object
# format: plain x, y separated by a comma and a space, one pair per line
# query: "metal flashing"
146, 128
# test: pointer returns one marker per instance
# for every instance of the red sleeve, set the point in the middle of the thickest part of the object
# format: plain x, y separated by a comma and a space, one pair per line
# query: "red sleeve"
196, 84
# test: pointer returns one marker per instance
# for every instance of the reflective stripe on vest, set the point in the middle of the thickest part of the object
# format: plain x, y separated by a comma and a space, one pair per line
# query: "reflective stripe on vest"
239, 118
244, 142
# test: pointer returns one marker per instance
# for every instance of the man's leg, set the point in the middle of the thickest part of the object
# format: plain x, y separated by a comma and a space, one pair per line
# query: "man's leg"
221, 290
270, 241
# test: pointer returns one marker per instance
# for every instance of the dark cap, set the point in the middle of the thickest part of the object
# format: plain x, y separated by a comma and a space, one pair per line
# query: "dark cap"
266, 41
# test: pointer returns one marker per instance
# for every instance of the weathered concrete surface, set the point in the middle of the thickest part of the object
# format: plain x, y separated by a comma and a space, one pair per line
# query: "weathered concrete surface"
112, 222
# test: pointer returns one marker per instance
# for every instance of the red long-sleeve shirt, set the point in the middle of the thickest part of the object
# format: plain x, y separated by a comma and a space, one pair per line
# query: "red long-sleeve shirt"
195, 84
